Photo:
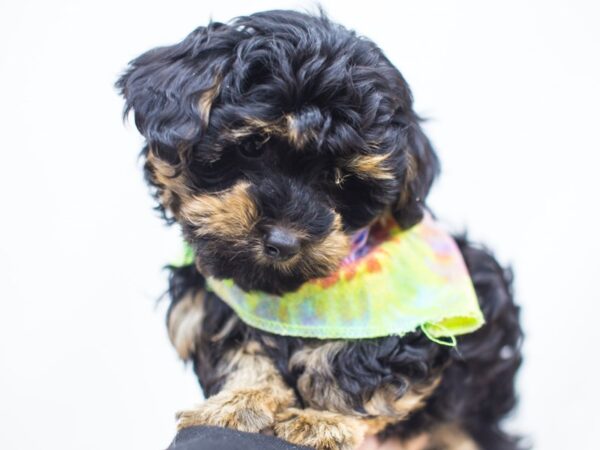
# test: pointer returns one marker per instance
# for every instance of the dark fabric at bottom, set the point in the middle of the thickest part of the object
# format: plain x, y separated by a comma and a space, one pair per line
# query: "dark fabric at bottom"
213, 438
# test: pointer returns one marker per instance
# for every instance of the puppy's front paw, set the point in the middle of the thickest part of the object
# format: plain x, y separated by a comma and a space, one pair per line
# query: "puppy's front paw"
319, 429
251, 410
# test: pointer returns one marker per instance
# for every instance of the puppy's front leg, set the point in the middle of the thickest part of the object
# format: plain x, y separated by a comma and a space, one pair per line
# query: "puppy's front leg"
323, 430
251, 397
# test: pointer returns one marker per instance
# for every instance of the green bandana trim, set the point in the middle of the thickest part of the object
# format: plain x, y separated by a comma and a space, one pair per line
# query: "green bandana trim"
413, 279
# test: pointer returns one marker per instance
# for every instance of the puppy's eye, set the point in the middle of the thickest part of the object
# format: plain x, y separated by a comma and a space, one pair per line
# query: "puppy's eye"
253, 148
215, 174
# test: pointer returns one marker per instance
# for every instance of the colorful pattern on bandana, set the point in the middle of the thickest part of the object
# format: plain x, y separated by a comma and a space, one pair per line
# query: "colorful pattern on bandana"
392, 283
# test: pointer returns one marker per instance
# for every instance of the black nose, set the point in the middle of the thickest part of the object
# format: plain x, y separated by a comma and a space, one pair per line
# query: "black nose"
281, 243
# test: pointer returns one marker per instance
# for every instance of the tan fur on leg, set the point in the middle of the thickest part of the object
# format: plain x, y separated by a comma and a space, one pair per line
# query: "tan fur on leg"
253, 393
251, 410
386, 402
322, 430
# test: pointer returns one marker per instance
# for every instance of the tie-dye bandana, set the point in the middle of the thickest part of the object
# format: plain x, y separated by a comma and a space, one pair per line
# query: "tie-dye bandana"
393, 282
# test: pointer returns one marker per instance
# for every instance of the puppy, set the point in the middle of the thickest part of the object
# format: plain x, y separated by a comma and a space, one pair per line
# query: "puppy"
271, 140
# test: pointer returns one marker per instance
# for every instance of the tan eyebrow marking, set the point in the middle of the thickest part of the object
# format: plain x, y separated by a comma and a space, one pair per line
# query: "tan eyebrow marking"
295, 135
370, 166
287, 127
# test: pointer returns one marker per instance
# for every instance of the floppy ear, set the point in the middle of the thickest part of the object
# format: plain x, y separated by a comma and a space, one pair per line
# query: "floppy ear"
420, 166
171, 89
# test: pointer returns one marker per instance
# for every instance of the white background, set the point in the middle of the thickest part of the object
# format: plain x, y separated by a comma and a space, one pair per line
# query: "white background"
512, 91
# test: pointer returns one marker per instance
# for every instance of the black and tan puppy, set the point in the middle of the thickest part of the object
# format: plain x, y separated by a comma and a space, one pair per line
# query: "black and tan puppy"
270, 141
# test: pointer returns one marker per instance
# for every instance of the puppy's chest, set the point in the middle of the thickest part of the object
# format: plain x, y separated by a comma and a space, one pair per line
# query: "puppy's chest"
368, 378
352, 378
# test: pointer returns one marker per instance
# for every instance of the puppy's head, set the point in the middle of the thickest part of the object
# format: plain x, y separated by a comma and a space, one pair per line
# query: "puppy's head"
272, 139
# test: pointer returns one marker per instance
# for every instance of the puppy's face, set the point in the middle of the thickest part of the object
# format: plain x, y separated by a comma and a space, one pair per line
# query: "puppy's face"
273, 139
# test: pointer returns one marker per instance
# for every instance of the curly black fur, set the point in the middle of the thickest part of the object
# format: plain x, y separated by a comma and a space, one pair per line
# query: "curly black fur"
317, 123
